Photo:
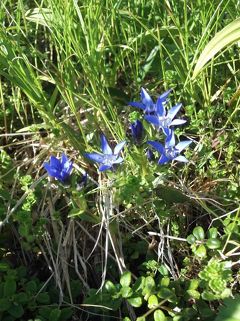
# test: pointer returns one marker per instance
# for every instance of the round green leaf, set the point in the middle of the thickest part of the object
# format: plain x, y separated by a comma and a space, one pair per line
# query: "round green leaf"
125, 279
55, 315
201, 251
159, 315
152, 301
126, 292
193, 294
10, 287
165, 281
110, 287
198, 232
135, 302
16, 310
212, 233
191, 239
213, 243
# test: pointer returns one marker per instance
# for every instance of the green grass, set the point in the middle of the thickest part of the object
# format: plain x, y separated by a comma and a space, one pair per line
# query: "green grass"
70, 68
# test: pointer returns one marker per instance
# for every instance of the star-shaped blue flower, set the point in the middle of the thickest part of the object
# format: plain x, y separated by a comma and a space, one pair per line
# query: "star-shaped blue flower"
170, 152
59, 169
109, 158
147, 105
163, 119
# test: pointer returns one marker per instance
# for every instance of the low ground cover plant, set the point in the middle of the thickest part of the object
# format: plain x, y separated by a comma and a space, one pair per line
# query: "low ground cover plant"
119, 160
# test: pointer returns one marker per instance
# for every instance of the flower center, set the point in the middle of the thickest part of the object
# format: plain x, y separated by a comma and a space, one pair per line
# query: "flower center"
171, 152
165, 121
109, 160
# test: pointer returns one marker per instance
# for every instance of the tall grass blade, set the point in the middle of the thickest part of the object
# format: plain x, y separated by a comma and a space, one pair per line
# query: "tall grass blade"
224, 38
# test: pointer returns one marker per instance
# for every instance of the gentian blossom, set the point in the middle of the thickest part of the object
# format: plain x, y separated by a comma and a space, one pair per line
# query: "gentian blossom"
109, 158
137, 131
59, 169
163, 119
156, 113
147, 105
170, 151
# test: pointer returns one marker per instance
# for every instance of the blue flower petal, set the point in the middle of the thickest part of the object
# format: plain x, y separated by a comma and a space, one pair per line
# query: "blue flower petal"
55, 163
163, 160
158, 146
153, 120
146, 99
174, 110
164, 96
170, 140
104, 167
137, 104
119, 147
176, 122
166, 131
161, 111
95, 157
118, 160
64, 159
105, 146
182, 145
52, 171
181, 158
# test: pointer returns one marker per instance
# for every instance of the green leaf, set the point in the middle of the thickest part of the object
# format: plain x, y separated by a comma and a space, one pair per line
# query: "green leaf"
43, 298
230, 310
165, 293
193, 294
126, 292
165, 281
125, 279
212, 233
110, 287
139, 284
4, 266
194, 283
31, 287
66, 314
141, 319
10, 287
224, 38
198, 232
191, 239
201, 251
159, 315
21, 298
4, 304
135, 302
16, 310
152, 301
213, 243
163, 270
54, 315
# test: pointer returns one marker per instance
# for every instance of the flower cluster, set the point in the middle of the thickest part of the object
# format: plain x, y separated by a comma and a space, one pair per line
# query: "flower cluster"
156, 114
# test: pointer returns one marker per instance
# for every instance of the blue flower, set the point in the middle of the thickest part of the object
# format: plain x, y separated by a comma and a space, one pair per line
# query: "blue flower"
137, 131
59, 169
170, 152
147, 105
163, 119
109, 158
